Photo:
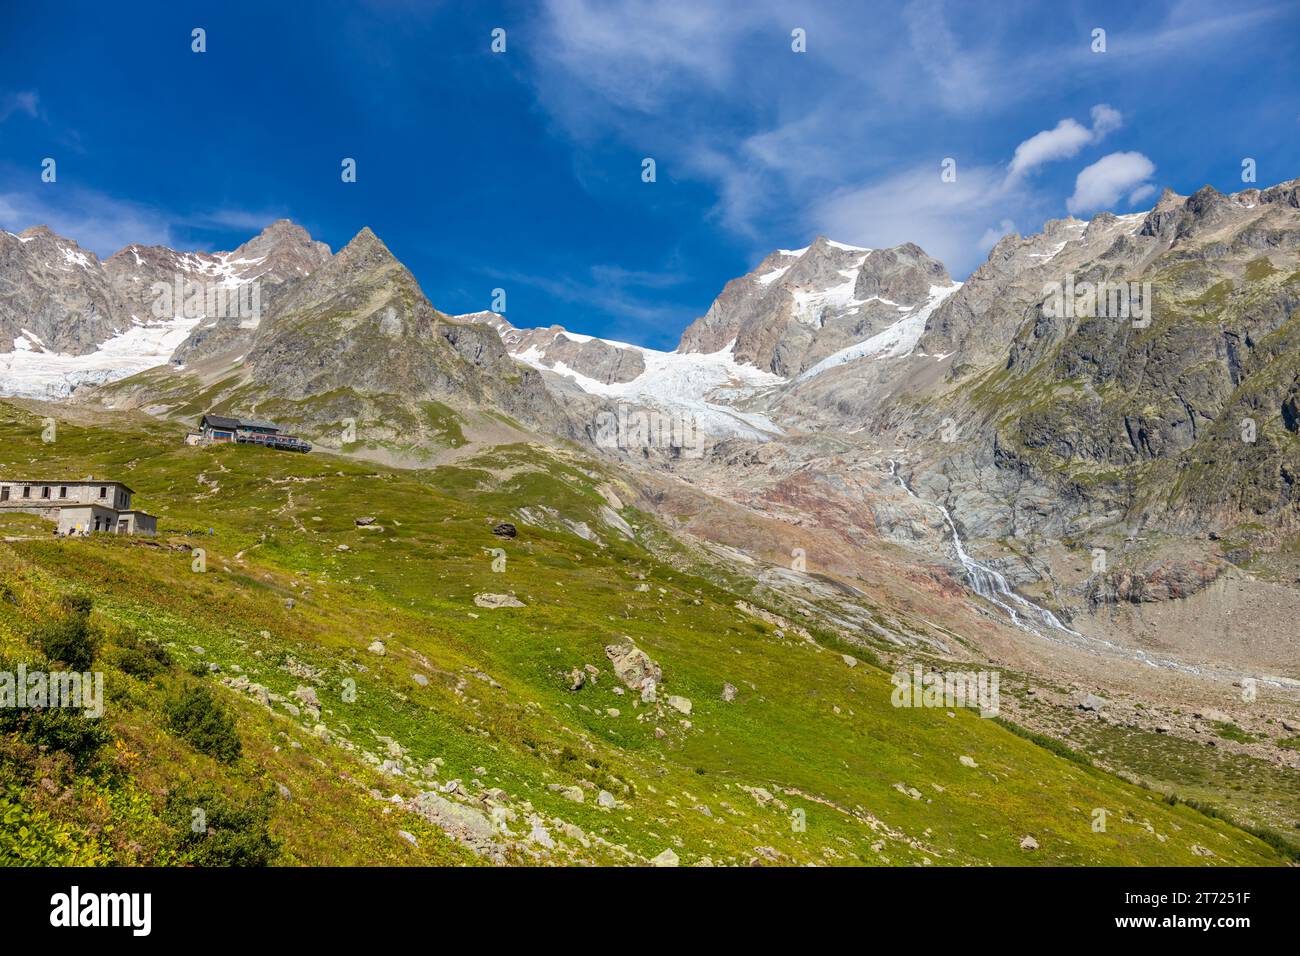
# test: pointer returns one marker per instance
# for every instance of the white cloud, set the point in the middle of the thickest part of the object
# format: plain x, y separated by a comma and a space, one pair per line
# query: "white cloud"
636, 54
94, 221
253, 221
793, 145
962, 78
1105, 181
1065, 140
1105, 119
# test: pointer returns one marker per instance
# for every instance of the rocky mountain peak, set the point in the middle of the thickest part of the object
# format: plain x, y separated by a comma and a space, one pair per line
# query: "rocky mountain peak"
38, 232
801, 305
287, 246
363, 251
1287, 194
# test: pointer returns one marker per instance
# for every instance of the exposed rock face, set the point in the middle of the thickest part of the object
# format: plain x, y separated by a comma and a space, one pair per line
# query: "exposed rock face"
1183, 416
54, 295
497, 600
800, 306
465, 824
360, 324
1166, 581
980, 320
597, 359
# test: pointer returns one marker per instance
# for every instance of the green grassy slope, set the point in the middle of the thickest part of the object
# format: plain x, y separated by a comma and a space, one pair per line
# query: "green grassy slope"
295, 594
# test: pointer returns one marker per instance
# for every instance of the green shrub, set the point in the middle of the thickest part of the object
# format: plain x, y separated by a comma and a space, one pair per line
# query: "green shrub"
31, 837
1050, 744
212, 830
1230, 731
57, 728
197, 718
67, 639
78, 605
1273, 838
141, 658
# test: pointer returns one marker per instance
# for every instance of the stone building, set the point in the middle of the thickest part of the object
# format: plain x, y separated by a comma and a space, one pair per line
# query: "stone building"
78, 507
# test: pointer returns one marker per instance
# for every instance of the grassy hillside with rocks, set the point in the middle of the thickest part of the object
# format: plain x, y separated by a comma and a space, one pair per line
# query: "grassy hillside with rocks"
364, 673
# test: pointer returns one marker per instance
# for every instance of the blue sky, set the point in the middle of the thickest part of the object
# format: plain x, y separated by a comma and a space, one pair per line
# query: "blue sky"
522, 170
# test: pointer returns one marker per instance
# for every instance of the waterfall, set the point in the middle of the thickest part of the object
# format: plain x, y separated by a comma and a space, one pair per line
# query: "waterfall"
988, 583
993, 587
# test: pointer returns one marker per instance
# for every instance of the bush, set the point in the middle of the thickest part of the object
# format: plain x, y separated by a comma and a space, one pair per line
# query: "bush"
1230, 731
197, 718
141, 658
78, 605
68, 731
67, 639
228, 834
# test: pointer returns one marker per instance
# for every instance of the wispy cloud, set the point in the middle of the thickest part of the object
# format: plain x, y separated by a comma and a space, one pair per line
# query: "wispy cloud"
947, 219
21, 101
634, 297
105, 224
794, 145
961, 76
93, 220
235, 219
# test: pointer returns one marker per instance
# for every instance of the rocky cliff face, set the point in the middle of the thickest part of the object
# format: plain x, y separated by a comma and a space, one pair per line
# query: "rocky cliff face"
54, 295
1067, 415
60, 298
278, 326
360, 323
1179, 416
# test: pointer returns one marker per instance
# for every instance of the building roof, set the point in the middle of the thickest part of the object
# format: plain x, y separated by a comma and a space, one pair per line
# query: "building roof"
221, 421
65, 481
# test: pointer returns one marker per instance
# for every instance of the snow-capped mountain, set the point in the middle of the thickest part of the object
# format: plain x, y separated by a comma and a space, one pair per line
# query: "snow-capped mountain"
69, 319
798, 313
704, 386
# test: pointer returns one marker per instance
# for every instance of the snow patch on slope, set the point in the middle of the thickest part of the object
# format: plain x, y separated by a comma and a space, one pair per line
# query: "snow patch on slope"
31, 372
898, 339
810, 308
689, 383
